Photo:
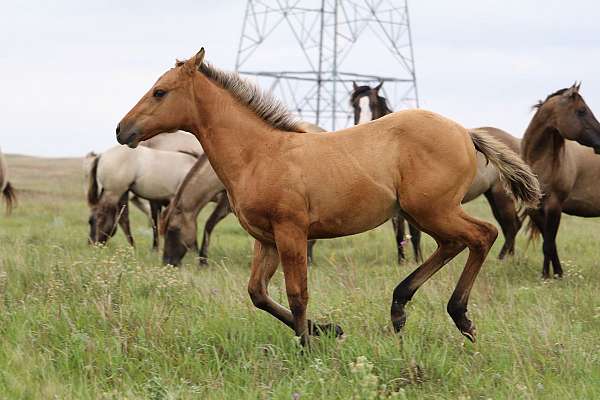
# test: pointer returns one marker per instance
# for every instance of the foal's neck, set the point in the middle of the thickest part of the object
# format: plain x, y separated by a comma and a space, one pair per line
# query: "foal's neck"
541, 139
231, 134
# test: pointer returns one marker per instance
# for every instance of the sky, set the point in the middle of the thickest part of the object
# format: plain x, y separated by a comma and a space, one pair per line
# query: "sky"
70, 70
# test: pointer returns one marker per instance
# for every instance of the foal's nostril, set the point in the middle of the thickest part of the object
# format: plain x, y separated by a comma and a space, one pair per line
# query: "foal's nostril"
118, 129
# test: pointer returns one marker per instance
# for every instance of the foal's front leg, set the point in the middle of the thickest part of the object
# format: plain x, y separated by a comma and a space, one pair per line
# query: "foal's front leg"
291, 244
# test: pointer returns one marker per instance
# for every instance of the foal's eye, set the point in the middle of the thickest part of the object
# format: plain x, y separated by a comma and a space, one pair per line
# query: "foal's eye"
581, 112
159, 93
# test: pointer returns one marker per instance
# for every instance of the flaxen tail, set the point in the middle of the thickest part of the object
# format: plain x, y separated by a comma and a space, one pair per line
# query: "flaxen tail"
92, 193
517, 176
9, 197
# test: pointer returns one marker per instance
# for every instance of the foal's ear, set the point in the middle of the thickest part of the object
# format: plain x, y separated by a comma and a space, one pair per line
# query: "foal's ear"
354, 85
376, 88
194, 63
199, 58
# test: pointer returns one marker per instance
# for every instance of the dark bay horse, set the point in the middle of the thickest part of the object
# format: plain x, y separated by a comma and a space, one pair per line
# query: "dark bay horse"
562, 146
288, 188
368, 105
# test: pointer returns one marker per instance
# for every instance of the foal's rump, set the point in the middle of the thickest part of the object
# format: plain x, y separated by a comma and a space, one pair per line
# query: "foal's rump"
358, 177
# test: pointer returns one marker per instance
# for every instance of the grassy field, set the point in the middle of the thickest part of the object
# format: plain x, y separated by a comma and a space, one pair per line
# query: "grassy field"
78, 322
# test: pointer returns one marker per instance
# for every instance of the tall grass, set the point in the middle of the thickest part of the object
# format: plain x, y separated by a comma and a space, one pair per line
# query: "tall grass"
110, 323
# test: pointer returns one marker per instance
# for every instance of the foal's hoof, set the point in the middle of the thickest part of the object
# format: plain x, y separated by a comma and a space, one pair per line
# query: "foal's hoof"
324, 329
203, 261
466, 327
398, 316
470, 333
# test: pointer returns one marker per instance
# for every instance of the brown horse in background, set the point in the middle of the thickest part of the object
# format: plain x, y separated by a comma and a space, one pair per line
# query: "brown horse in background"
7, 190
288, 188
368, 105
561, 144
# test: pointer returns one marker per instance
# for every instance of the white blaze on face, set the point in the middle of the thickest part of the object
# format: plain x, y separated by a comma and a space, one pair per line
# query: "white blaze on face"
365, 110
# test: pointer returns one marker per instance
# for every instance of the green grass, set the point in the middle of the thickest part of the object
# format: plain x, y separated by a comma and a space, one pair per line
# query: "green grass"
78, 322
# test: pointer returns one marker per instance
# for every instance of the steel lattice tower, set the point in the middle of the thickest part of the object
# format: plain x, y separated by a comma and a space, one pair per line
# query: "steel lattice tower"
336, 42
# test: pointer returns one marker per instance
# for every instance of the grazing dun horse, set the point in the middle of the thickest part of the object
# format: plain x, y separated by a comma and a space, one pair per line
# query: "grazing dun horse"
288, 188
150, 174
562, 146
6, 188
369, 105
179, 221
182, 142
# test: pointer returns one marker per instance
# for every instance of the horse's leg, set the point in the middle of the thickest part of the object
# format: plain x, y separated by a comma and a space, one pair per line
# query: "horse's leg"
309, 251
539, 220
124, 218
415, 238
453, 230
479, 237
155, 207
503, 208
264, 265
398, 225
221, 211
403, 293
553, 212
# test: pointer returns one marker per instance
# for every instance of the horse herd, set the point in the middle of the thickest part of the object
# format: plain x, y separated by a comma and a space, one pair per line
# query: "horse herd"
290, 183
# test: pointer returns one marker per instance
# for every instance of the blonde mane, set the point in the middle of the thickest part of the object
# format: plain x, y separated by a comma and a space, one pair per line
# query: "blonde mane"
263, 104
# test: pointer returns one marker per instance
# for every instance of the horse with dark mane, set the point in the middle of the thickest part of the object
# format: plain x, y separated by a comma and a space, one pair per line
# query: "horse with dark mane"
6, 188
368, 105
287, 187
562, 146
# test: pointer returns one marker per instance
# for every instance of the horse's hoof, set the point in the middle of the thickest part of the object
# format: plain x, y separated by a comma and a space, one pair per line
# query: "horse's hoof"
470, 333
203, 261
325, 329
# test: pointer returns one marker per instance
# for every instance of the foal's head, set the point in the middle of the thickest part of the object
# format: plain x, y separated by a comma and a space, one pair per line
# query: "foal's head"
367, 103
567, 112
166, 107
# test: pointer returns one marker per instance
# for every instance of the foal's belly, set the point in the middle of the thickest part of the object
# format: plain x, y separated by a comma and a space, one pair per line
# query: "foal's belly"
348, 215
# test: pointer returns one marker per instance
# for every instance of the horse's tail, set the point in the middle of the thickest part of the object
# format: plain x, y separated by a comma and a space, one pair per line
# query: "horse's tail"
516, 175
532, 228
93, 195
9, 197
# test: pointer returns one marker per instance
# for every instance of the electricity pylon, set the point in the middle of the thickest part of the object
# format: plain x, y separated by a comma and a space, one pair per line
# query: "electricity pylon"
308, 52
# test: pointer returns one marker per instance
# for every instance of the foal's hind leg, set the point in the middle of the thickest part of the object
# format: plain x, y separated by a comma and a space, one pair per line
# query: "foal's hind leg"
403, 293
453, 231
479, 237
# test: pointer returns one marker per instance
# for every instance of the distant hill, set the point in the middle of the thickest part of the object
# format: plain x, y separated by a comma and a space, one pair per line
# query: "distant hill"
46, 177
